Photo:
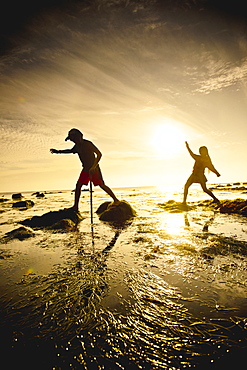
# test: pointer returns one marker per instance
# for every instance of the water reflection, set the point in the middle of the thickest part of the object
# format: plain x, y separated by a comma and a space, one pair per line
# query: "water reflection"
62, 320
204, 223
55, 311
177, 224
109, 307
172, 224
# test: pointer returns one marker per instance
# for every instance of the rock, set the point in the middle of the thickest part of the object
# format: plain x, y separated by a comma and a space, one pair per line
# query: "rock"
244, 211
174, 207
234, 206
3, 200
38, 194
17, 196
50, 218
120, 213
238, 188
23, 204
21, 233
103, 207
64, 225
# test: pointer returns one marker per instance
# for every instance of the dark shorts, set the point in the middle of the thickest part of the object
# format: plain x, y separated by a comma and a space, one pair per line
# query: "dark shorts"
96, 179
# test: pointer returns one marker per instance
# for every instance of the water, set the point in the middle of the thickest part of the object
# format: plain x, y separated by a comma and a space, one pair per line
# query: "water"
166, 291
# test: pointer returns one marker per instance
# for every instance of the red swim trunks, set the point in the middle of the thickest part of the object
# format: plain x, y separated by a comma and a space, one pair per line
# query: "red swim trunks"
97, 178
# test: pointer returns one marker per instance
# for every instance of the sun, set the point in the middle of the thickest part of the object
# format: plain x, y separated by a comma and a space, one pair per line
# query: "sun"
168, 139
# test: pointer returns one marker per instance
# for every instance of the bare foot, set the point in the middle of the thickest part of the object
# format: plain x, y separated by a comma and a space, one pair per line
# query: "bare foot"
184, 206
114, 204
217, 202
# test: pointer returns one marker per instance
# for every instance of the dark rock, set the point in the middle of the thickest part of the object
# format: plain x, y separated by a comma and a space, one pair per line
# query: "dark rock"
120, 213
243, 211
23, 204
64, 225
38, 194
3, 200
239, 188
103, 207
238, 206
50, 218
21, 233
17, 196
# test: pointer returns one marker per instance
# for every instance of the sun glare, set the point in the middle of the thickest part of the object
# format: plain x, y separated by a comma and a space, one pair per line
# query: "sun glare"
168, 139
173, 224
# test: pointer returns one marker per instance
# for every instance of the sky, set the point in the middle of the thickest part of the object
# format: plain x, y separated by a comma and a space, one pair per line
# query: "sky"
138, 78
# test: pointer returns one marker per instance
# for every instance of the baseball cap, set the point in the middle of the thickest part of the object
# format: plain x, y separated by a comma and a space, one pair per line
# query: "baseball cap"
73, 132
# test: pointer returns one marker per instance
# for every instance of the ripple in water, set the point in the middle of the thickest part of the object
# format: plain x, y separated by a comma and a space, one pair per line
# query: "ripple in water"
61, 321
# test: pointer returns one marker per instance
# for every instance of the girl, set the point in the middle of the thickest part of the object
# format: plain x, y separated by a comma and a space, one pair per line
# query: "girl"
202, 161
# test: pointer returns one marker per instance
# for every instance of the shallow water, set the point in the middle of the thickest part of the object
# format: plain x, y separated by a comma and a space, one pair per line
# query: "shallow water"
166, 291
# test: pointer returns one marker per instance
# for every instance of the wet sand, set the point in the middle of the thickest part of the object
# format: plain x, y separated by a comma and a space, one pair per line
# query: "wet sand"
166, 290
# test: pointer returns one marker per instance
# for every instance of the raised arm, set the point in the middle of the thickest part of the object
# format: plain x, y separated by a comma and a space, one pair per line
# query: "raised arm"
193, 155
64, 151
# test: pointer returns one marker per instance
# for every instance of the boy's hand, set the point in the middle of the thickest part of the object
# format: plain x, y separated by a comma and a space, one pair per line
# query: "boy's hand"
92, 169
54, 151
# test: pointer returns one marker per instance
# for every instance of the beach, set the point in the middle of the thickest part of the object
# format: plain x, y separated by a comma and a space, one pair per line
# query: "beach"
166, 289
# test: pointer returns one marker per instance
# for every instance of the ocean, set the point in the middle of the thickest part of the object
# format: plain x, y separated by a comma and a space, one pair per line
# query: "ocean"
165, 290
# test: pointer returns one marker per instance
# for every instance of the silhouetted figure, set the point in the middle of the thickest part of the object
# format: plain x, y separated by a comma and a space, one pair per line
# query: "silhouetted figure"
202, 161
89, 156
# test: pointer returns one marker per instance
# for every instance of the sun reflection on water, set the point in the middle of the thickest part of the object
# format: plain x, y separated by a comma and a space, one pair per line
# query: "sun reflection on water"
173, 224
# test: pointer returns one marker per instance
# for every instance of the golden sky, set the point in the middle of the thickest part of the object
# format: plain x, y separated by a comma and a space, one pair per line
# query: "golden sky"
138, 79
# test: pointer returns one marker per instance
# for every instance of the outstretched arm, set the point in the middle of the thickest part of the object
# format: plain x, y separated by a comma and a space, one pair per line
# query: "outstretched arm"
193, 155
64, 151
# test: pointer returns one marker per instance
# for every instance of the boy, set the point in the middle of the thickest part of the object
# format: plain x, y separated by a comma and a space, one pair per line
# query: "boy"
89, 156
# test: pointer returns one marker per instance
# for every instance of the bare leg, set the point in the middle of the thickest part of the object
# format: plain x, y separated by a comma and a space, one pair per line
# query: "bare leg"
186, 189
110, 192
209, 192
77, 196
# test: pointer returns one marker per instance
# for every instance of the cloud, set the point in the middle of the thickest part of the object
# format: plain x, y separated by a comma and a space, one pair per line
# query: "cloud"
222, 75
112, 71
